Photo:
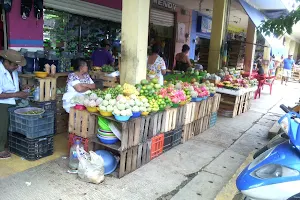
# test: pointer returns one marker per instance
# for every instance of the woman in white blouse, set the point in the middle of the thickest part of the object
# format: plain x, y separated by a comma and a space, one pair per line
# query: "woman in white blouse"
9, 91
78, 83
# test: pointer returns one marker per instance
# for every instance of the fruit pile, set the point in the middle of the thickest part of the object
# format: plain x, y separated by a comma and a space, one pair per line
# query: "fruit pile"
114, 92
148, 89
233, 83
145, 97
129, 90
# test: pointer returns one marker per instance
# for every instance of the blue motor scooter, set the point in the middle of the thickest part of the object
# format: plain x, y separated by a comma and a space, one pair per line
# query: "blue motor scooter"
275, 173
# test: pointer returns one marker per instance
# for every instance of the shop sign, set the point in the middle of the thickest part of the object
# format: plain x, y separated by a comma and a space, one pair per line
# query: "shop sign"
165, 4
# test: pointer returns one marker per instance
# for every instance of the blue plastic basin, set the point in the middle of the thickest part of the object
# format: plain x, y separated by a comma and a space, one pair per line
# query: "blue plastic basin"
106, 140
110, 162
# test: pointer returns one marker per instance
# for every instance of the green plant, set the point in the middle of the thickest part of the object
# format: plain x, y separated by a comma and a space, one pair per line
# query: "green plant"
281, 25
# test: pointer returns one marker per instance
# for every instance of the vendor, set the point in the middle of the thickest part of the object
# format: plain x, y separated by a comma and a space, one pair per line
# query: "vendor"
9, 91
102, 56
79, 82
182, 60
156, 64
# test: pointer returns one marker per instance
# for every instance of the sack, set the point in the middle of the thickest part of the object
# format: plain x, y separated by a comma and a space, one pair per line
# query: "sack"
91, 166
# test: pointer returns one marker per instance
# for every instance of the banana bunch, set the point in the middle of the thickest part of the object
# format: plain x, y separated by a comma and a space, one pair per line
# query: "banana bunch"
129, 90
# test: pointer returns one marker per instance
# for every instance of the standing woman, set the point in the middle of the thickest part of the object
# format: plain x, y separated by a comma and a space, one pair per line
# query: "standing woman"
157, 64
9, 92
79, 82
182, 60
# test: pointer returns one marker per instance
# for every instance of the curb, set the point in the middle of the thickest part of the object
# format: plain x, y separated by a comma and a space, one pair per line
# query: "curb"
229, 191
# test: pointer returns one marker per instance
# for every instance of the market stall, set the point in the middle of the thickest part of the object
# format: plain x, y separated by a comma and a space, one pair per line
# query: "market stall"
138, 123
237, 92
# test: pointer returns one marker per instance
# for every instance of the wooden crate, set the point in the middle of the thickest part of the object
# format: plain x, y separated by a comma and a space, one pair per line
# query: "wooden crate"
27, 79
188, 132
150, 126
131, 133
181, 113
241, 104
134, 158
82, 123
208, 107
205, 124
200, 109
169, 119
216, 103
190, 113
47, 88
130, 159
229, 105
198, 126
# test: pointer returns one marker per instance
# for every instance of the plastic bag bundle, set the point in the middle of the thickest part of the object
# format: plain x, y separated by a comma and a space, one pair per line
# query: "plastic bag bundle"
91, 166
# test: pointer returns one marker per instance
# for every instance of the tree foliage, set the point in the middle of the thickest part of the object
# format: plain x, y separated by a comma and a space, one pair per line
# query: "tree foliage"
281, 25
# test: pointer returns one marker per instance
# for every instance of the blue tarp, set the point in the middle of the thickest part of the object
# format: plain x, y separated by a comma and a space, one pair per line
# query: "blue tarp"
257, 18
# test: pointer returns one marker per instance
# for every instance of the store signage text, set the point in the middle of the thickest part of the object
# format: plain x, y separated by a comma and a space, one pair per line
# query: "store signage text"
165, 4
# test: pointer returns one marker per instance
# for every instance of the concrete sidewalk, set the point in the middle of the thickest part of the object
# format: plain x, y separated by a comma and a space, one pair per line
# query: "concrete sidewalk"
197, 169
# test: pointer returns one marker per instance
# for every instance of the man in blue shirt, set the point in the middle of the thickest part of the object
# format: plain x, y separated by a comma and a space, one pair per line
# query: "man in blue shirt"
288, 64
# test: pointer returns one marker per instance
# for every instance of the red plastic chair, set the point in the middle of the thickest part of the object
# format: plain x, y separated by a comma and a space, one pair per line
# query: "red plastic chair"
261, 80
264, 80
269, 81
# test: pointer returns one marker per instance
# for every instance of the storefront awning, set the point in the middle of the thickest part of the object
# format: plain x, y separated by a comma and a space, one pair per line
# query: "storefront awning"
257, 18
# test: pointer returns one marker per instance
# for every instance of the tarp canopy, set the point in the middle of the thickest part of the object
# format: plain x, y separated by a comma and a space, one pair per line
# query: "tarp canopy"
257, 18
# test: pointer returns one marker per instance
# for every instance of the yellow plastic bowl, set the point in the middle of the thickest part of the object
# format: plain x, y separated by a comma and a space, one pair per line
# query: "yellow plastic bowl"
41, 74
92, 109
105, 113
182, 103
145, 113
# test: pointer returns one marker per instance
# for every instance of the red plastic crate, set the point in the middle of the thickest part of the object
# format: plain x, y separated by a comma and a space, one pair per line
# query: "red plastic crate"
73, 138
157, 146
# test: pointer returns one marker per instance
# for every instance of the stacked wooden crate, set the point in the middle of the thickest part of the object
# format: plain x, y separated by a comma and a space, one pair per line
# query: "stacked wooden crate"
235, 53
198, 116
231, 105
146, 137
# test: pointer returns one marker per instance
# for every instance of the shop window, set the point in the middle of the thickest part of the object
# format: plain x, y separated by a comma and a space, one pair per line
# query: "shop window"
77, 34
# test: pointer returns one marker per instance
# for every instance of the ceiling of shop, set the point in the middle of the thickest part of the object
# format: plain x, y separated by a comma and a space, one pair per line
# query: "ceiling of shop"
237, 18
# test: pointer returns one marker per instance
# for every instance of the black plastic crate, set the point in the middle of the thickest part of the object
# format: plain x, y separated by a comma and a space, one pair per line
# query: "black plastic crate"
32, 126
172, 139
168, 141
30, 149
48, 105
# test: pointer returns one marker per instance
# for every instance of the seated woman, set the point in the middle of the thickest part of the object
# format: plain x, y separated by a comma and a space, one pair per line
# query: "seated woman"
182, 60
79, 82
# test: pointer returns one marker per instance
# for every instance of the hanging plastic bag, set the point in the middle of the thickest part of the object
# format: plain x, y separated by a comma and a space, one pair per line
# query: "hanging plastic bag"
91, 166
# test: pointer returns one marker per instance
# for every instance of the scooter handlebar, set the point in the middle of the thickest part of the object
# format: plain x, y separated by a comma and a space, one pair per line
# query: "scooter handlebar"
284, 108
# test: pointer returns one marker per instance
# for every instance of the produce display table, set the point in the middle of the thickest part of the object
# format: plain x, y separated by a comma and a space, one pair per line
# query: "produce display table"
235, 104
146, 137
